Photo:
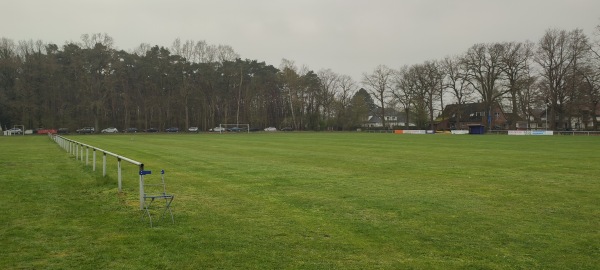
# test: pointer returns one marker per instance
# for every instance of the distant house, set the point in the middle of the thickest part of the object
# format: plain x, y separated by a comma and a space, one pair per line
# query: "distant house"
457, 116
393, 119
581, 119
534, 120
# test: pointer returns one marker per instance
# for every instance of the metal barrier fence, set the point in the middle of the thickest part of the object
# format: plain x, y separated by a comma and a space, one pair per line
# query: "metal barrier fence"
76, 149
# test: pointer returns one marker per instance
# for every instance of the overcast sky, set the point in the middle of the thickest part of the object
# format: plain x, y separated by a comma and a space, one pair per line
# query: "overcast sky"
350, 37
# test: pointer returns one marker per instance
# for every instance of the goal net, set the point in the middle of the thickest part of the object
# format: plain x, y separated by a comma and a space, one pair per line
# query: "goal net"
234, 128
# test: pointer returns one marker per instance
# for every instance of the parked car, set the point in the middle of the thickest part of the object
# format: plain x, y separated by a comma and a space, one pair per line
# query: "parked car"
132, 130
218, 129
15, 131
172, 129
86, 130
151, 130
287, 129
193, 129
235, 129
110, 130
271, 129
63, 131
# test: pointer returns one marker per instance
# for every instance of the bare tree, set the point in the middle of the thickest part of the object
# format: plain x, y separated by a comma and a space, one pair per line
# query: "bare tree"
290, 86
557, 54
90, 41
226, 53
346, 87
590, 96
329, 82
516, 65
428, 78
483, 63
404, 90
378, 84
455, 79
142, 49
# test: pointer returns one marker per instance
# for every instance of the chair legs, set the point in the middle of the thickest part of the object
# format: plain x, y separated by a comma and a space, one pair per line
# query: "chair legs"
150, 199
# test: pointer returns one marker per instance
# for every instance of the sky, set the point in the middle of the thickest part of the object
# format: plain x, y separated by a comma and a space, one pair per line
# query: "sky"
350, 37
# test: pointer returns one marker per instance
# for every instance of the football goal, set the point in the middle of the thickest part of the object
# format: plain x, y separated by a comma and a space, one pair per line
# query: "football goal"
234, 128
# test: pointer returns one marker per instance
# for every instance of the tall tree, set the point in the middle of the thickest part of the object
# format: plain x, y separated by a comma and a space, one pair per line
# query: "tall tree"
329, 84
379, 84
404, 91
292, 89
516, 64
455, 80
360, 106
345, 91
483, 64
557, 55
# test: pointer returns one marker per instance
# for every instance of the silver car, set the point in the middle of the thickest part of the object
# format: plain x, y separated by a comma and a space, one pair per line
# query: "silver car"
110, 130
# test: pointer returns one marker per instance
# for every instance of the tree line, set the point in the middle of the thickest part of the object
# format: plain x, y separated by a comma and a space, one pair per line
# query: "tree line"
559, 75
90, 83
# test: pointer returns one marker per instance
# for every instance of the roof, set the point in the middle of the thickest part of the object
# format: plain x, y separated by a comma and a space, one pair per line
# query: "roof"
467, 112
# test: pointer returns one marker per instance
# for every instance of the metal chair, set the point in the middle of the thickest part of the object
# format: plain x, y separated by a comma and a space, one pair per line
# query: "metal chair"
153, 192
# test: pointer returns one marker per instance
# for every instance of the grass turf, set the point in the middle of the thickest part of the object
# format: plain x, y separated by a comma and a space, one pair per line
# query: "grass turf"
308, 200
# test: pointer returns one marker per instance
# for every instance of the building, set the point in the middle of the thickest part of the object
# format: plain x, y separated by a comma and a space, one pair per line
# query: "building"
393, 119
457, 116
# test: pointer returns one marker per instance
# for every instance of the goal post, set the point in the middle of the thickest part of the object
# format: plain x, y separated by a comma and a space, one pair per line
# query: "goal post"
234, 128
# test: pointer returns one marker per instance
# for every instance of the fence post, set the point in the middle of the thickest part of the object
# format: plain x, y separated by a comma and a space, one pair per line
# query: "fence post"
81, 156
94, 160
76, 151
104, 164
119, 172
141, 187
87, 155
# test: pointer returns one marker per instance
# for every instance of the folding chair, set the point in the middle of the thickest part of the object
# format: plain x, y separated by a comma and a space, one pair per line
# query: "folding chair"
156, 191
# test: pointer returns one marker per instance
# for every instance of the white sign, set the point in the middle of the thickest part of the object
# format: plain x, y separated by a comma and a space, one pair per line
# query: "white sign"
414, 132
530, 132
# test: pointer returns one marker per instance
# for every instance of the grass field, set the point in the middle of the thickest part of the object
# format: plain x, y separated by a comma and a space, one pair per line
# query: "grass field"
307, 201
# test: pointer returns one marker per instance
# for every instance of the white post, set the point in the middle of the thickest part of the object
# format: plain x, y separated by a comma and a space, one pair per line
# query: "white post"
87, 155
104, 165
77, 151
81, 156
141, 187
94, 160
119, 172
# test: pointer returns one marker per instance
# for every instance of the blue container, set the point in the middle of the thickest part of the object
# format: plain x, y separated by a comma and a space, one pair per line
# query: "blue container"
476, 129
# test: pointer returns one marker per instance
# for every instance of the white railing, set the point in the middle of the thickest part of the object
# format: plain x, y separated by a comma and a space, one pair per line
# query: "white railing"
76, 149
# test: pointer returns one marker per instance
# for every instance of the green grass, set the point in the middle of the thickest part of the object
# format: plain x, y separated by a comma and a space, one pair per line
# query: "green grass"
309, 201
